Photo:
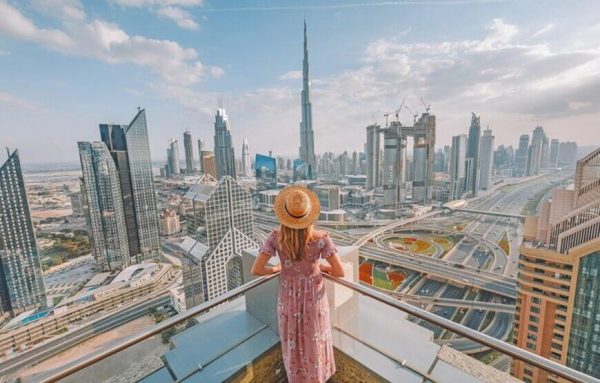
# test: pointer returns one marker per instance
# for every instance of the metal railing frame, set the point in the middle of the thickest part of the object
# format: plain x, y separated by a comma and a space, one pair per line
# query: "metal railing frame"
496, 344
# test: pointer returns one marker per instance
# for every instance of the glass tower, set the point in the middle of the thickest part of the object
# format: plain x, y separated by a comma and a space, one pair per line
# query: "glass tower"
21, 283
224, 153
105, 215
188, 147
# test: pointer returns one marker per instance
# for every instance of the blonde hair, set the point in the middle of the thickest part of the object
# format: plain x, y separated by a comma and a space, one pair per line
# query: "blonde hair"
294, 241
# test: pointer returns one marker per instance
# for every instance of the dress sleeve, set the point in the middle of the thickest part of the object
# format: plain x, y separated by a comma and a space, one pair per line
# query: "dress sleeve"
327, 248
269, 247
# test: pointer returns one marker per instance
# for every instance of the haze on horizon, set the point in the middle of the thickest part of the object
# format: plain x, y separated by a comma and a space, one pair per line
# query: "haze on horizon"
68, 65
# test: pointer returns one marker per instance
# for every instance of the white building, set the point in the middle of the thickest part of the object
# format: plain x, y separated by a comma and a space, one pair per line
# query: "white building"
486, 159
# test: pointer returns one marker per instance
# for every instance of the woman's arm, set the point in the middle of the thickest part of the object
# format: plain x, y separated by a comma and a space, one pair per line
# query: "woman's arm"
260, 266
335, 265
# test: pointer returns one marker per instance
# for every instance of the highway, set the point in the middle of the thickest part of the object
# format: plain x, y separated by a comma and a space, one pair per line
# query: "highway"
63, 342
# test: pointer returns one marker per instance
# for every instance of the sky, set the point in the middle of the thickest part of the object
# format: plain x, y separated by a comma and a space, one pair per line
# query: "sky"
68, 65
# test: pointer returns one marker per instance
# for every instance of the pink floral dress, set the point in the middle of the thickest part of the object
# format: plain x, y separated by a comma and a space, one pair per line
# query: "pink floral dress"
303, 312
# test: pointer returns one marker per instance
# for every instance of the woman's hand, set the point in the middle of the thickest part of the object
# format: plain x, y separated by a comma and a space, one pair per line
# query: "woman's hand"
325, 268
276, 268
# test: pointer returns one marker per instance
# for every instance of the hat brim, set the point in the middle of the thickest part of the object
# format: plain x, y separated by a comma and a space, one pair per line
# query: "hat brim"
288, 220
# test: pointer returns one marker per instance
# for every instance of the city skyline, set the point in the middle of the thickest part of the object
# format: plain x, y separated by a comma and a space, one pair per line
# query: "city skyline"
553, 60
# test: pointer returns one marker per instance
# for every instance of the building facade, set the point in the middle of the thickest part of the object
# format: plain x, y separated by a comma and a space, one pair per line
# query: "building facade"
457, 166
486, 154
130, 151
307, 140
21, 283
173, 157
224, 153
169, 222
188, 146
558, 310
105, 213
221, 220
472, 173
246, 165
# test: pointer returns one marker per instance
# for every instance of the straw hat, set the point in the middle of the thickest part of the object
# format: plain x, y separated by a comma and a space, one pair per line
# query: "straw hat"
297, 207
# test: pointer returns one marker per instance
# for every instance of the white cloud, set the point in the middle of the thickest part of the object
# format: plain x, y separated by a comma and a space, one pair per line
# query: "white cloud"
291, 75
576, 105
64, 10
108, 42
545, 29
4, 53
182, 18
159, 3
13, 100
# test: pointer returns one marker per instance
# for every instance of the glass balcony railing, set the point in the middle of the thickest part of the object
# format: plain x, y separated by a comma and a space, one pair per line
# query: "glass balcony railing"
234, 338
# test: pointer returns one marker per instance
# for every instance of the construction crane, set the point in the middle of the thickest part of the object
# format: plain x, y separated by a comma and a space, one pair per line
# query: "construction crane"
399, 110
415, 115
427, 106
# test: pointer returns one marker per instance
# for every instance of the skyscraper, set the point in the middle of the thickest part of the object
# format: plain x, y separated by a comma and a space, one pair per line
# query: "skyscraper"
521, 155
373, 156
457, 166
307, 144
472, 177
130, 150
246, 165
21, 283
487, 159
224, 225
558, 310
105, 214
200, 150
538, 152
173, 153
554, 150
224, 153
567, 153
188, 146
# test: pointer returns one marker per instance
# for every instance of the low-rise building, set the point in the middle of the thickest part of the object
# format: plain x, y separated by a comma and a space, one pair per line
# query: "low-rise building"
169, 222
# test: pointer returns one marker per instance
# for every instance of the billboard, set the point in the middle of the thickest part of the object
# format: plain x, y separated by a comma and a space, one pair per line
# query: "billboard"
266, 172
302, 170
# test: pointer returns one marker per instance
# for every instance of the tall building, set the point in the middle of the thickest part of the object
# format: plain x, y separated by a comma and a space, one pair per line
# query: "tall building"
209, 165
558, 310
567, 153
200, 150
307, 142
105, 213
246, 165
486, 155
224, 153
538, 152
554, 150
221, 220
266, 172
188, 147
457, 166
355, 164
521, 155
21, 283
130, 150
472, 176
173, 156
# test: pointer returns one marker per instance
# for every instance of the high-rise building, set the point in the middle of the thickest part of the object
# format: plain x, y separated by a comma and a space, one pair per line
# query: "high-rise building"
472, 176
169, 222
486, 155
355, 164
246, 165
457, 166
173, 156
130, 149
188, 146
105, 213
307, 142
554, 150
558, 310
521, 156
221, 220
538, 152
21, 283
567, 153
200, 150
266, 172
224, 153
209, 164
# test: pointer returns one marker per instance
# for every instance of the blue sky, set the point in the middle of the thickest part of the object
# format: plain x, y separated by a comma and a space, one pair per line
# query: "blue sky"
68, 65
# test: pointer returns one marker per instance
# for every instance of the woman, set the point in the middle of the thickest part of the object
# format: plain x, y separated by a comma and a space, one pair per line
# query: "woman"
302, 307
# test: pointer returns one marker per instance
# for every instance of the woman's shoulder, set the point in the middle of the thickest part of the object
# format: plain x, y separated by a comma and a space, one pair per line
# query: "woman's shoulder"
318, 234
